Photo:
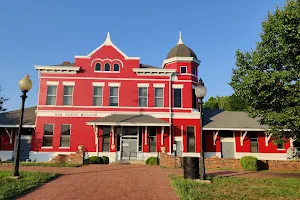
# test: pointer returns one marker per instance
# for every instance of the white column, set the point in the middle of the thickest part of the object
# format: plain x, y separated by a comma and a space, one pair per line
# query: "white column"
162, 135
146, 135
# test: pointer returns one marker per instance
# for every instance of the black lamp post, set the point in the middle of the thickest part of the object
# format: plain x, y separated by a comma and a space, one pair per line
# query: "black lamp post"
25, 85
200, 92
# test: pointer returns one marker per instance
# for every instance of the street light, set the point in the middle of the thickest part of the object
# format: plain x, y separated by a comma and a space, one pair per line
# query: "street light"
200, 92
25, 85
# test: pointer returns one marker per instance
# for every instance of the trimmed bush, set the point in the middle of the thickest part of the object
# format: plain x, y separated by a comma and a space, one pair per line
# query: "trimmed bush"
105, 159
95, 160
152, 161
249, 163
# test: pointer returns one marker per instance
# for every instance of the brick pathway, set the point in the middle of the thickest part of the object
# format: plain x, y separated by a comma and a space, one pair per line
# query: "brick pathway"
104, 182
120, 182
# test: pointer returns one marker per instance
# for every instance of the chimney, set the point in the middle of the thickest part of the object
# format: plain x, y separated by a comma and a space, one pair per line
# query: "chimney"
66, 63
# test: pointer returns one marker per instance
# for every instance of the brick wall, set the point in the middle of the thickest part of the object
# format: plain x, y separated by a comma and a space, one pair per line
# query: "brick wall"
74, 158
234, 164
166, 160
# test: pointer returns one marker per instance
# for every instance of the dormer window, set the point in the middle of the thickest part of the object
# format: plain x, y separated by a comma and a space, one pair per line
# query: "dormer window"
98, 67
183, 69
107, 67
116, 67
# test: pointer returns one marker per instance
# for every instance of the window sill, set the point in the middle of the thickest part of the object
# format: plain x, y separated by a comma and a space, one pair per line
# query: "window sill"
281, 149
107, 71
47, 147
64, 147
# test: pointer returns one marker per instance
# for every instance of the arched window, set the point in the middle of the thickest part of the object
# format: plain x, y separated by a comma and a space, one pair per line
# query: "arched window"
116, 67
107, 67
98, 67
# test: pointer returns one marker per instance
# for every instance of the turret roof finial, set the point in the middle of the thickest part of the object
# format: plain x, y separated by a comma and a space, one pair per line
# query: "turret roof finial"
107, 40
180, 38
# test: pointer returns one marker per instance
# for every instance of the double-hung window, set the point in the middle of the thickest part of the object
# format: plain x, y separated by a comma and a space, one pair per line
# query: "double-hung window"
97, 101
191, 139
158, 97
143, 97
68, 95
65, 135
51, 95
48, 135
114, 96
177, 98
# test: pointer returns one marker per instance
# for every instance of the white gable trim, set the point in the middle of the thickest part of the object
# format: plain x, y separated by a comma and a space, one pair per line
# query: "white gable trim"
108, 42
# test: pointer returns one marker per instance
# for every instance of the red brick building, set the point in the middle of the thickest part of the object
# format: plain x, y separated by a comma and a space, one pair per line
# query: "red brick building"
115, 106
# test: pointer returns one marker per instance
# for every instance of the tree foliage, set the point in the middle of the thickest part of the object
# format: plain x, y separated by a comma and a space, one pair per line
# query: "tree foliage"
2, 100
268, 77
230, 103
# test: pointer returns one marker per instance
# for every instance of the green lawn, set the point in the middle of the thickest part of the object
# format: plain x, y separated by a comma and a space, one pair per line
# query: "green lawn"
43, 164
48, 164
237, 188
10, 188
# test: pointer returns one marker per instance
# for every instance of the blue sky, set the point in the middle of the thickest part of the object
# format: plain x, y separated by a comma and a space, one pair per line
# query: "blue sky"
49, 32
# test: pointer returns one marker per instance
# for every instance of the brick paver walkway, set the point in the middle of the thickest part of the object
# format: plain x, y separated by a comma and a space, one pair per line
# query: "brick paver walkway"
120, 182
104, 182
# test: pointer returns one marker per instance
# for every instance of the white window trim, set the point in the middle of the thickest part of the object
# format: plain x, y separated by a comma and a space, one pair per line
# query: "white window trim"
109, 67
98, 95
67, 83
142, 97
196, 72
194, 138
181, 106
163, 97
100, 67
52, 83
159, 85
177, 86
115, 96
113, 67
48, 147
114, 84
98, 84
143, 84
69, 95
52, 95
185, 69
61, 136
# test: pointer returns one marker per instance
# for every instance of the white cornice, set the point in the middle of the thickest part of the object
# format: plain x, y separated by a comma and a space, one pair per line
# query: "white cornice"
57, 69
153, 71
178, 59
108, 42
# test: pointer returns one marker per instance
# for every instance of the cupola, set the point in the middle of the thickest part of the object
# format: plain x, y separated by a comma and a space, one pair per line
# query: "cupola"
181, 50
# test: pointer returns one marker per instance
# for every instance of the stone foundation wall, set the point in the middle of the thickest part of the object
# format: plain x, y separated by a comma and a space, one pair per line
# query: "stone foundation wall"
75, 158
234, 164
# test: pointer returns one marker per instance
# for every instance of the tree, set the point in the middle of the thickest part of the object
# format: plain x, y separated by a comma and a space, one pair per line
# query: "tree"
268, 77
230, 103
2, 100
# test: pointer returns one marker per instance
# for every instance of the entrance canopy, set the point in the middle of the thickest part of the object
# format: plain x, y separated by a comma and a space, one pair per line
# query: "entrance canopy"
128, 120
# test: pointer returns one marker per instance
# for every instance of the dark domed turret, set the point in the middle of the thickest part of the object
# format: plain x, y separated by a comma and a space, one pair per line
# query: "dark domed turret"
180, 50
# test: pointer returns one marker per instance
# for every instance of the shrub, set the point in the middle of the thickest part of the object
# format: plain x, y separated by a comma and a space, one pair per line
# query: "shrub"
249, 163
152, 161
105, 159
95, 160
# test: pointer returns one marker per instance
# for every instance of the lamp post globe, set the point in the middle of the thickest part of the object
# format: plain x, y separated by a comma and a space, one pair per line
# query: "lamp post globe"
200, 92
25, 85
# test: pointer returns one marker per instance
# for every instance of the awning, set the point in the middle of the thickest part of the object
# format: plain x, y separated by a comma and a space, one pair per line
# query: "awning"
128, 120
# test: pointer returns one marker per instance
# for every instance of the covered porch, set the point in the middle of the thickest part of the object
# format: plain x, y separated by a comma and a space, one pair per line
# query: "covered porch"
130, 137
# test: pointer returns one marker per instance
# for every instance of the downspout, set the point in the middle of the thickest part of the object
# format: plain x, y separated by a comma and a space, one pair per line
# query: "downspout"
170, 112
97, 139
